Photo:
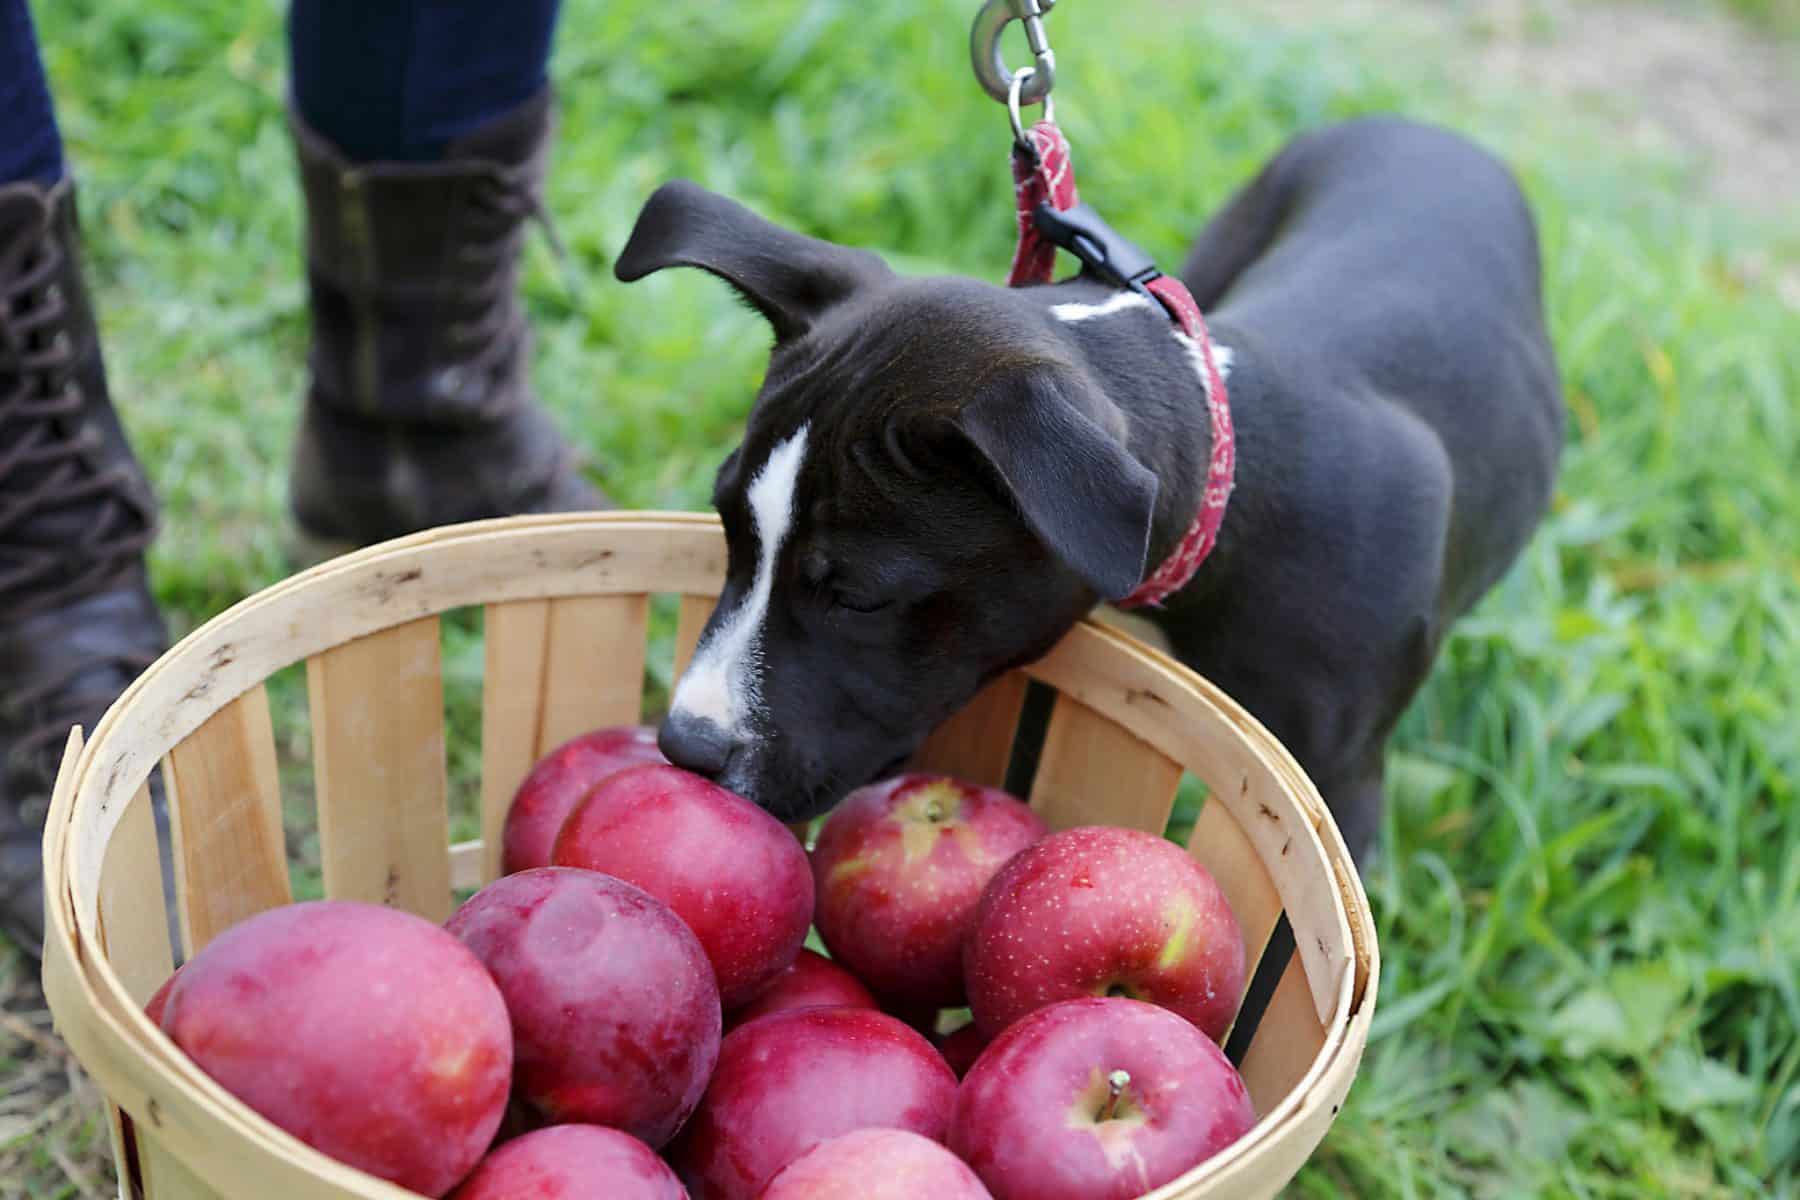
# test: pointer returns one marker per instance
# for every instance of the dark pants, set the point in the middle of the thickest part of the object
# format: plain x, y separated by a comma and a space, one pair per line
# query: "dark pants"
384, 80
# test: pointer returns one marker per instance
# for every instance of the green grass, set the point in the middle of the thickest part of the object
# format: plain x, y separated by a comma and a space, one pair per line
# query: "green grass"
1589, 883
1781, 16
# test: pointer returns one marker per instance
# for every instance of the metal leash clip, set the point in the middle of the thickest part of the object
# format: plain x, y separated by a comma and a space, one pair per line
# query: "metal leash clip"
1032, 84
1013, 104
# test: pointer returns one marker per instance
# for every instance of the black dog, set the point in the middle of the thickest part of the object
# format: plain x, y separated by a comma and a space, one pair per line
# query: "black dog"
940, 476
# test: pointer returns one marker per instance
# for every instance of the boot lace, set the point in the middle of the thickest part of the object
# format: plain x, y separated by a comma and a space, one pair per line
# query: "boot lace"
507, 199
45, 442
45, 451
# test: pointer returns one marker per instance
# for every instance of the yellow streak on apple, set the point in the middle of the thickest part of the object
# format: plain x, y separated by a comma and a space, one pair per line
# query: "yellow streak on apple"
848, 870
1179, 913
451, 1065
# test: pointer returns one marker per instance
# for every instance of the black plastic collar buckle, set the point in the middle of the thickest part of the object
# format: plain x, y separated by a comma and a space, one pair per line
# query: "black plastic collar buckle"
1081, 231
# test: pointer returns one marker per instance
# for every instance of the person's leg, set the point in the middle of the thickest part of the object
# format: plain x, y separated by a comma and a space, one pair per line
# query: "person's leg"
422, 129
30, 146
404, 80
76, 619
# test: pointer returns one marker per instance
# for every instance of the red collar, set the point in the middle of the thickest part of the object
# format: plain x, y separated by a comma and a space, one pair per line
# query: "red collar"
1046, 175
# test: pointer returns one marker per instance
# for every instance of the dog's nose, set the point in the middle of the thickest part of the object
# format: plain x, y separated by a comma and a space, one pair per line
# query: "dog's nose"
695, 744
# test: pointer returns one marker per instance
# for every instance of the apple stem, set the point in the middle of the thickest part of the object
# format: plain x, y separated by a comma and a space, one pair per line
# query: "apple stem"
1116, 1084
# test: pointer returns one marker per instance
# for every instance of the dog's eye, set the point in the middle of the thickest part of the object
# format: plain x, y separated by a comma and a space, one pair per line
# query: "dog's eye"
856, 604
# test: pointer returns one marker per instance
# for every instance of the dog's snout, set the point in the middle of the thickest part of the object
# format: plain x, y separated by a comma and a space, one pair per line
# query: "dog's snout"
695, 744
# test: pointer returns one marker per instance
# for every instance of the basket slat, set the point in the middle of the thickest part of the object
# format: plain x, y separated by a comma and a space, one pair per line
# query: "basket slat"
121, 1134
378, 758
1220, 845
134, 927
512, 696
594, 666
167, 1177
468, 865
56, 911
690, 621
1286, 1042
1093, 772
230, 856
554, 669
977, 743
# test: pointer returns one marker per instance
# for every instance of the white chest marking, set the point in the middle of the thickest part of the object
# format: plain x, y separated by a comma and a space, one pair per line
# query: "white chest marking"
1119, 302
724, 682
1222, 357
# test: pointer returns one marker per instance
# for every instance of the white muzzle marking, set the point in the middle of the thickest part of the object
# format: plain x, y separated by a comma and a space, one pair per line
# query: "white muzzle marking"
724, 682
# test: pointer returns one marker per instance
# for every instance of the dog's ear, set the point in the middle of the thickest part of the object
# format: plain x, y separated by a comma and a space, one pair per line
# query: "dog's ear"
786, 276
1077, 487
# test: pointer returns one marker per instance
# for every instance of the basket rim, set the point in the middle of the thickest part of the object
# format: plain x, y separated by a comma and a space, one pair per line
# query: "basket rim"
87, 993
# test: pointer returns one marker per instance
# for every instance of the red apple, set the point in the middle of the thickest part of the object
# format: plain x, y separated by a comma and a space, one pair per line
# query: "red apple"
899, 868
615, 1016
572, 1162
730, 870
1096, 1099
1104, 912
793, 1079
159, 1000
962, 1047
557, 783
876, 1164
811, 981
368, 1033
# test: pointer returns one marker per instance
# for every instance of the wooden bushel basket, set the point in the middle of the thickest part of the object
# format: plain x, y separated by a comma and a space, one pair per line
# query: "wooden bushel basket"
566, 601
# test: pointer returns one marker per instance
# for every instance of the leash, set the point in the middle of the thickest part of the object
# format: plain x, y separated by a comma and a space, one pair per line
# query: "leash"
1051, 217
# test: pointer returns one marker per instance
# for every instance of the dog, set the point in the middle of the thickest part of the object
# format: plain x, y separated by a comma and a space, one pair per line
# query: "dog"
940, 476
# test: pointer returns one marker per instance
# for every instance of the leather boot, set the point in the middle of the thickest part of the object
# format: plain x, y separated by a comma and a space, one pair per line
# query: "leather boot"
76, 620
419, 411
